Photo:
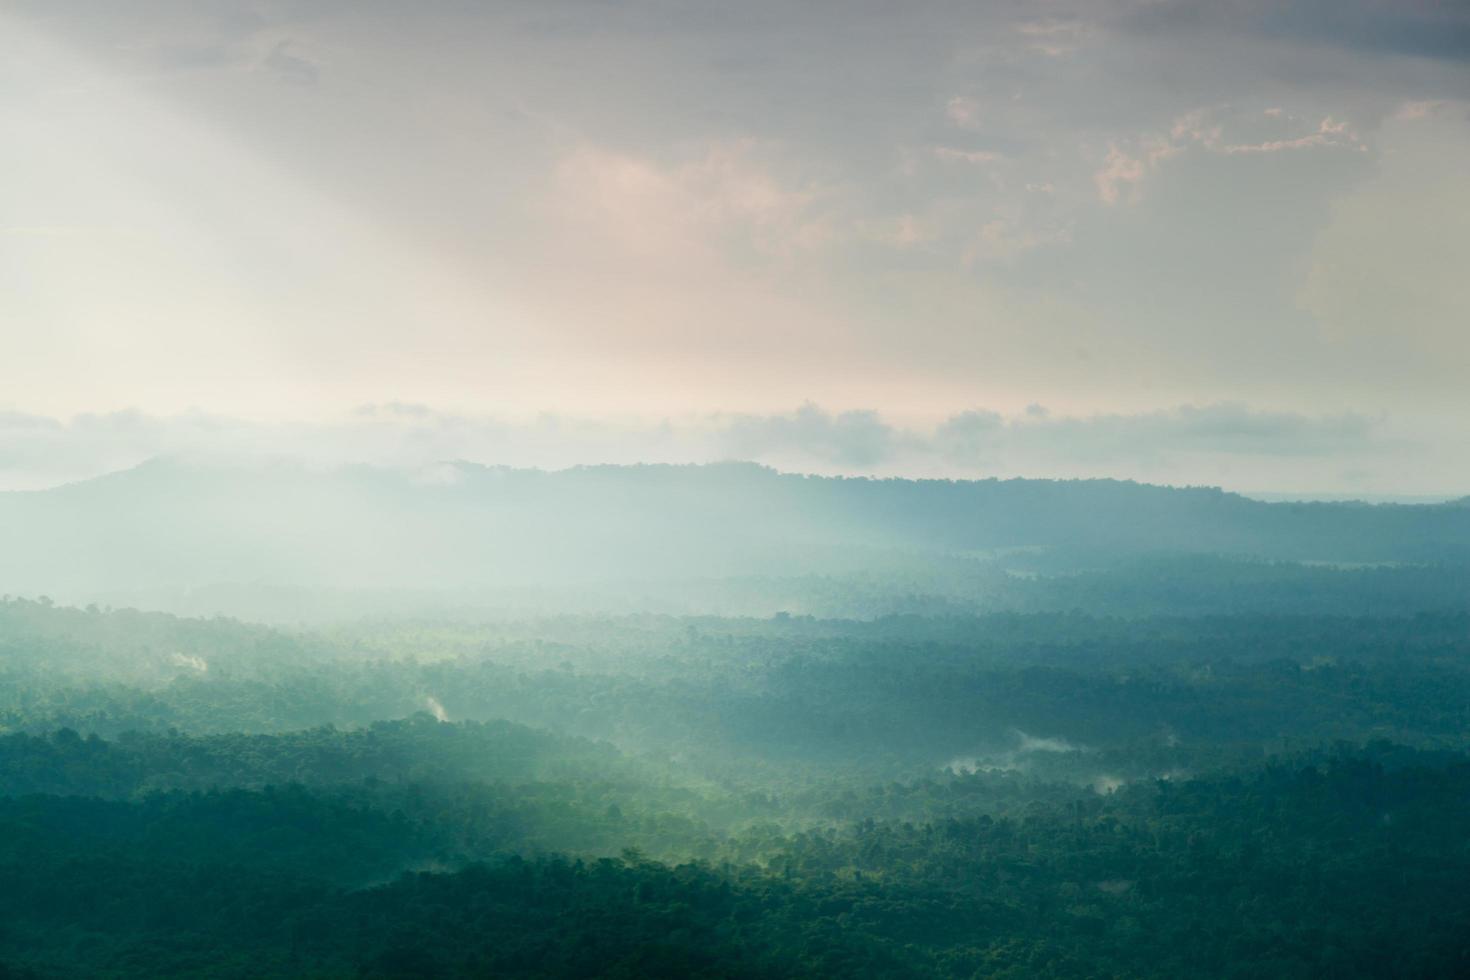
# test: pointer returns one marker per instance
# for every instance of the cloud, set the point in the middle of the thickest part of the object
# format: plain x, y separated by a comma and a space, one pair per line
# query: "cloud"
963, 111
1207, 129
1004, 238
1389, 27
1119, 170
1187, 444
721, 193
1123, 171
857, 439
605, 209
952, 154
906, 232
1420, 108
971, 437
290, 67
1386, 276
1053, 36
1225, 429
1214, 131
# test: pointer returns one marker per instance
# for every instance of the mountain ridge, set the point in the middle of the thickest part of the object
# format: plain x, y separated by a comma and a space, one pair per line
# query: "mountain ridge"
172, 521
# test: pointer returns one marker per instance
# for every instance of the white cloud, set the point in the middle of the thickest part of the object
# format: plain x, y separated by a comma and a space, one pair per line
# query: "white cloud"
1123, 171
663, 211
1420, 109
1052, 36
1000, 239
598, 208
1329, 132
1120, 172
952, 154
963, 111
904, 232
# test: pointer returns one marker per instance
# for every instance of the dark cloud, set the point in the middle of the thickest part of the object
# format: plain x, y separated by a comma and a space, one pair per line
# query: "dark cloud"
1419, 28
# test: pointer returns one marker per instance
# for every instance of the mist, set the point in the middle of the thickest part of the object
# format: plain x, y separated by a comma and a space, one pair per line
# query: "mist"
667, 488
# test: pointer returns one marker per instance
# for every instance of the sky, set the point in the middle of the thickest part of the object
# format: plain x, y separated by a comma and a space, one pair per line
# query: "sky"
1183, 241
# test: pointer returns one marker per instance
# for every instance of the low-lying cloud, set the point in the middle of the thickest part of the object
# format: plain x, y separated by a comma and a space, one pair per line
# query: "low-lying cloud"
1226, 444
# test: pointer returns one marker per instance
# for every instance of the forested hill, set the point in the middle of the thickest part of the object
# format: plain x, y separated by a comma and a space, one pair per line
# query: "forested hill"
169, 523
